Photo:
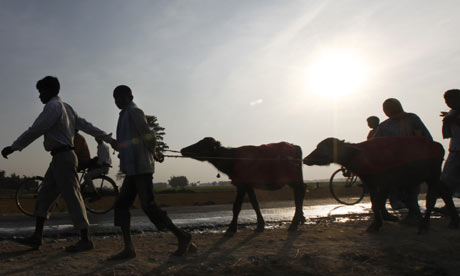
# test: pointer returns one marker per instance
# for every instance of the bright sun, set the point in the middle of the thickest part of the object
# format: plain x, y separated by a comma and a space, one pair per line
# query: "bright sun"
335, 74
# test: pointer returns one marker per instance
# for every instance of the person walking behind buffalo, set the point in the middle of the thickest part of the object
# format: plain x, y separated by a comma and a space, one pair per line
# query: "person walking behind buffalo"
373, 123
401, 123
451, 129
136, 146
57, 123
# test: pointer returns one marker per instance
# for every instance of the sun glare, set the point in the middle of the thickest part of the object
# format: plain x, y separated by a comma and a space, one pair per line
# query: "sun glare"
335, 74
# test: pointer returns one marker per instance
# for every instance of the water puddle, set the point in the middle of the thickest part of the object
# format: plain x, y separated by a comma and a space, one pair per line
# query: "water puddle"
201, 220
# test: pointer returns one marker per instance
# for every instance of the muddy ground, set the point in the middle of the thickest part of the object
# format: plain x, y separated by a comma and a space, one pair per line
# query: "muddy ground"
322, 247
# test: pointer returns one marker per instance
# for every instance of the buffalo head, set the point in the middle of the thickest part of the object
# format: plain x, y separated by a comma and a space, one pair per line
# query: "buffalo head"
325, 153
202, 150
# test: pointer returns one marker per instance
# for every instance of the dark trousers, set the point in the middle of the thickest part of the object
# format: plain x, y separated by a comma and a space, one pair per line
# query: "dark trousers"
141, 185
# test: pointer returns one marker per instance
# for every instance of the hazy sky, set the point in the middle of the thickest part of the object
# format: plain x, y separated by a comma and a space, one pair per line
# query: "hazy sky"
243, 72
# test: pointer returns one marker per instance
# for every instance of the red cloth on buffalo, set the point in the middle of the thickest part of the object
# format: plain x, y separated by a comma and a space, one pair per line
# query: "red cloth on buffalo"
267, 167
382, 153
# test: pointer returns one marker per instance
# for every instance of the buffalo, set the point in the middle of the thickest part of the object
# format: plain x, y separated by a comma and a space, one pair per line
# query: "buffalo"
385, 163
266, 167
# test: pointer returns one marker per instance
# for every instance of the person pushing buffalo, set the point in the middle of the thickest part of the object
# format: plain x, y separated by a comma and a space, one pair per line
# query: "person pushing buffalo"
266, 167
384, 163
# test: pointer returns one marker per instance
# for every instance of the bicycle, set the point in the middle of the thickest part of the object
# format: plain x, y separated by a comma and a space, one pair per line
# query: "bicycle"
98, 200
347, 190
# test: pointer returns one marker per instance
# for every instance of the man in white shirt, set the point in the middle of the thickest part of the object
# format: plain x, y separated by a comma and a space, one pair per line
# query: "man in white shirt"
57, 123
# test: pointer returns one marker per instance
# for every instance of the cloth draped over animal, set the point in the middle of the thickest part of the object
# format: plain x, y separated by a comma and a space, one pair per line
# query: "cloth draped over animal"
383, 153
269, 166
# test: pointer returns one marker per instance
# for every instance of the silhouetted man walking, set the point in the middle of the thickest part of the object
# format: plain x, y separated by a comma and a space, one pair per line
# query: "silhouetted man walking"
57, 123
136, 146
401, 123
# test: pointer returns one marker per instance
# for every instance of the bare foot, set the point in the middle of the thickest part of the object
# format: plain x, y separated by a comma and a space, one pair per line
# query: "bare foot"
127, 253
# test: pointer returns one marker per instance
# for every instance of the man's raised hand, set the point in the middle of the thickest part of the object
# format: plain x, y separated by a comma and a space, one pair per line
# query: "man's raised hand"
7, 151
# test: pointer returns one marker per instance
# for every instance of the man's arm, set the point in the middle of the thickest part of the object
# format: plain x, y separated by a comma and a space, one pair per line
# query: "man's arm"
451, 117
7, 151
45, 120
87, 127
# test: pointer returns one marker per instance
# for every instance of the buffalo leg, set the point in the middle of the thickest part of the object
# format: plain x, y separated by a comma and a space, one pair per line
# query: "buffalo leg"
376, 200
385, 214
431, 197
414, 216
240, 193
255, 205
414, 208
299, 195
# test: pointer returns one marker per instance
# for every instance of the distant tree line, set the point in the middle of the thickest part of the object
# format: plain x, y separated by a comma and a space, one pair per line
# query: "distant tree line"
182, 182
12, 181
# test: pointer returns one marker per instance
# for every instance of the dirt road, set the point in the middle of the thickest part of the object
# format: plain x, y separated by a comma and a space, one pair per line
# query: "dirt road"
319, 248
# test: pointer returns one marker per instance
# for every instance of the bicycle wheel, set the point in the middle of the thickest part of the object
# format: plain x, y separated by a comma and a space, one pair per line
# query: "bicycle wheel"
26, 194
100, 198
345, 189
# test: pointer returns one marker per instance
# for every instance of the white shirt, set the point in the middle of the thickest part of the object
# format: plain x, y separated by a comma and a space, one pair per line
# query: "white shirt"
57, 122
103, 155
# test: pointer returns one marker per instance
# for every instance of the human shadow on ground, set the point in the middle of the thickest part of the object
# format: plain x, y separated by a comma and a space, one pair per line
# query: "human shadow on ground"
29, 266
191, 261
106, 265
288, 245
8, 255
